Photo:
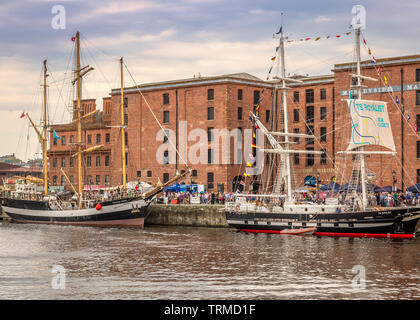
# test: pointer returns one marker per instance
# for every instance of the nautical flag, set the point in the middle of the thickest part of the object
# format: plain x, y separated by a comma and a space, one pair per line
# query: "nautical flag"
254, 146
280, 30
379, 71
246, 175
263, 89
364, 41
242, 182
350, 96
396, 100
273, 58
277, 49
338, 36
307, 39
56, 136
248, 164
408, 117
253, 135
250, 118
316, 39
22, 115
370, 52
373, 59
73, 39
347, 33
386, 80
327, 37
269, 71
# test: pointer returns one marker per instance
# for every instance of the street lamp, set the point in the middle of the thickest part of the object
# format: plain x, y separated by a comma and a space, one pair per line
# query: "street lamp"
317, 181
394, 181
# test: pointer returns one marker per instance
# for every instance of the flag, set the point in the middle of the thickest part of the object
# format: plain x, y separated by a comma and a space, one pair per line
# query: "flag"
269, 71
56, 136
370, 52
263, 89
350, 96
280, 30
364, 41
273, 58
22, 115
338, 36
253, 135
248, 164
250, 118
347, 33
277, 49
254, 146
73, 39
246, 175
386, 80
396, 100
408, 117
307, 39
379, 71
316, 39
242, 182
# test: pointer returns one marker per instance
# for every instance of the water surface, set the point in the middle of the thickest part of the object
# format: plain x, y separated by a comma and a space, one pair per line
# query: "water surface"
201, 263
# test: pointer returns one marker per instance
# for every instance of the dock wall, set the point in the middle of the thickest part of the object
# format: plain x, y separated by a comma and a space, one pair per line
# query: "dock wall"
199, 215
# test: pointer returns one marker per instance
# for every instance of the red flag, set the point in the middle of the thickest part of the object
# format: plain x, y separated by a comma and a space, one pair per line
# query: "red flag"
22, 115
73, 39
338, 36
307, 39
273, 58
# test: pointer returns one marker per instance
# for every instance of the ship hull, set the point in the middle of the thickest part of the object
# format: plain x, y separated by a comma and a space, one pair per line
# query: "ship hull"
384, 223
117, 213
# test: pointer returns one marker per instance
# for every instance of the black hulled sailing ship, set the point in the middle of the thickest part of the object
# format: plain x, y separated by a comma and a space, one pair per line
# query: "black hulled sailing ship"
282, 213
122, 211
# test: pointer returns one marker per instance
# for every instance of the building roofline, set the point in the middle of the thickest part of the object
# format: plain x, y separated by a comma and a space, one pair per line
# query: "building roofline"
384, 61
243, 78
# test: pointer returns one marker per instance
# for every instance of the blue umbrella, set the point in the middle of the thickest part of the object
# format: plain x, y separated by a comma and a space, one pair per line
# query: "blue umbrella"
415, 188
331, 186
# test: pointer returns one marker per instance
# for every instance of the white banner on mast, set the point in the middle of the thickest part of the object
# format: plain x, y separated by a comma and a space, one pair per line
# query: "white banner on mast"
369, 124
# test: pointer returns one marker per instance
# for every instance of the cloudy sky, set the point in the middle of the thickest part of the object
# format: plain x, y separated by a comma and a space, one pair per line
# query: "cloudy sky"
173, 39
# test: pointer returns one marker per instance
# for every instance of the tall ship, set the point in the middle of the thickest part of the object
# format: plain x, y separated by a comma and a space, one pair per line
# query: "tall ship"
345, 214
123, 210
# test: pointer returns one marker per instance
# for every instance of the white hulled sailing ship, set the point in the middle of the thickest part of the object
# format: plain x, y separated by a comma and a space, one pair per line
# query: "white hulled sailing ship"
26, 206
282, 213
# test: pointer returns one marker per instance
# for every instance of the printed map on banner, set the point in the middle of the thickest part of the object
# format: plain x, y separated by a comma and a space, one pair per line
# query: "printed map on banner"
370, 124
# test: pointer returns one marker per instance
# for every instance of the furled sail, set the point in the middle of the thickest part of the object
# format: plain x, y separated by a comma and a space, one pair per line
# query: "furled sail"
369, 124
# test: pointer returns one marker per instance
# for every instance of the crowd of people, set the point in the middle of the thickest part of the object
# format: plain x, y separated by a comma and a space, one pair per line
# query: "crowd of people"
383, 199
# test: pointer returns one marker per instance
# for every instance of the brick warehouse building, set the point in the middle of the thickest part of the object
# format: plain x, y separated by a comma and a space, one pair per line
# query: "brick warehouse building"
223, 102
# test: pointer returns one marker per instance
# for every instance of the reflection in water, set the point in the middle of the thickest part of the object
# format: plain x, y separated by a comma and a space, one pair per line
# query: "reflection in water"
201, 263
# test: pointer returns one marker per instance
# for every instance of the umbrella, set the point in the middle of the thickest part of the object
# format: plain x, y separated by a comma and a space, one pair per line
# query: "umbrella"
415, 188
331, 186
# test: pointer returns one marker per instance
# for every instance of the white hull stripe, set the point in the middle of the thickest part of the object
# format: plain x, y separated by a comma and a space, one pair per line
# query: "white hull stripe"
76, 213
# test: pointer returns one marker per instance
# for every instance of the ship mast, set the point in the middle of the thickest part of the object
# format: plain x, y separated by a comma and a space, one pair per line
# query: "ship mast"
79, 121
44, 140
359, 97
285, 115
124, 177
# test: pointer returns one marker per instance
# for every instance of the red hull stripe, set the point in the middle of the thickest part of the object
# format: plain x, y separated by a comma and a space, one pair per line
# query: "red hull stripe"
364, 235
275, 231
336, 234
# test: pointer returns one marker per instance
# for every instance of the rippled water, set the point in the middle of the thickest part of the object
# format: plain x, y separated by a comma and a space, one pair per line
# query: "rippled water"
201, 263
